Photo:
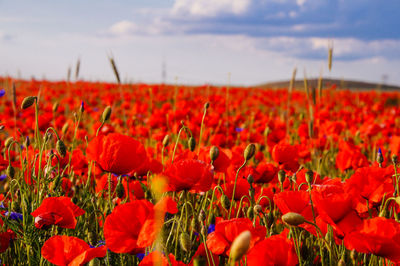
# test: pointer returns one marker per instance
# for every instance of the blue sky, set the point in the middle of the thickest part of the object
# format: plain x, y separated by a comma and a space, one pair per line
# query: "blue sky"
201, 41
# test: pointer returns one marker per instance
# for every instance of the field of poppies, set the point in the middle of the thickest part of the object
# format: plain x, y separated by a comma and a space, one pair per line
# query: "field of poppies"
138, 174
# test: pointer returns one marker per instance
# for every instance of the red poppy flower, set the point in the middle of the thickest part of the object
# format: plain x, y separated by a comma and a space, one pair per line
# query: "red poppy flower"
266, 173
275, 250
370, 183
294, 201
286, 155
220, 164
70, 250
379, 236
350, 156
157, 258
116, 153
335, 206
219, 241
189, 175
201, 254
59, 211
5, 240
132, 226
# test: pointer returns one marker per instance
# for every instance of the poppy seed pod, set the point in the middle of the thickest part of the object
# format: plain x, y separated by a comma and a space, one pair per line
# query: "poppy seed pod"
249, 151
240, 245
28, 102
10, 171
106, 114
165, 141
214, 153
184, 241
61, 149
293, 218
192, 143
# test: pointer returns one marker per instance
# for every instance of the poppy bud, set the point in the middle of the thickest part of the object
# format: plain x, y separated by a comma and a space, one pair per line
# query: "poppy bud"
28, 101
281, 176
65, 128
119, 189
192, 144
240, 245
249, 151
106, 114
293, 218
309, 176
184, 241
8, 142
250, 179
214, 153
61, 149
257, 209
206, 105
2, 127
165, 141
55, 107
225, 202
394, 159
10, 171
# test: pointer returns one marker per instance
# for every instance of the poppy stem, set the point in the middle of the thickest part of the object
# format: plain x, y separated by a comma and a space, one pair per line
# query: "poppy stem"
201, 129
234, 188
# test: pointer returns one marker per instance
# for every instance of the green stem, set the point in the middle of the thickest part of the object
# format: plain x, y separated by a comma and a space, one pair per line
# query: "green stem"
234, 188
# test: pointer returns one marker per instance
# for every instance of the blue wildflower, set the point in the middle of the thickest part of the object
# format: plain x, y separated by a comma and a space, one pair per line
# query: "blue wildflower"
14, 216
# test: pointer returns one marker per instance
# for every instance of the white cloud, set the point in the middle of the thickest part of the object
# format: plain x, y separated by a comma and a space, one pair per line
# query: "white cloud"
123, 27
210, 8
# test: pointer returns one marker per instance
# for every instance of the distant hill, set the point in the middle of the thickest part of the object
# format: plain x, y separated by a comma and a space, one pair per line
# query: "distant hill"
344, 84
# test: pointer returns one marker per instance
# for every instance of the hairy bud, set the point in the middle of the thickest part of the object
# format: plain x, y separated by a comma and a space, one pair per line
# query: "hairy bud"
249, 151
28, 102
240, 245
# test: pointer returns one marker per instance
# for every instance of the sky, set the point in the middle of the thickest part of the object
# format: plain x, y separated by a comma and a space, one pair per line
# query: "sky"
243, 42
